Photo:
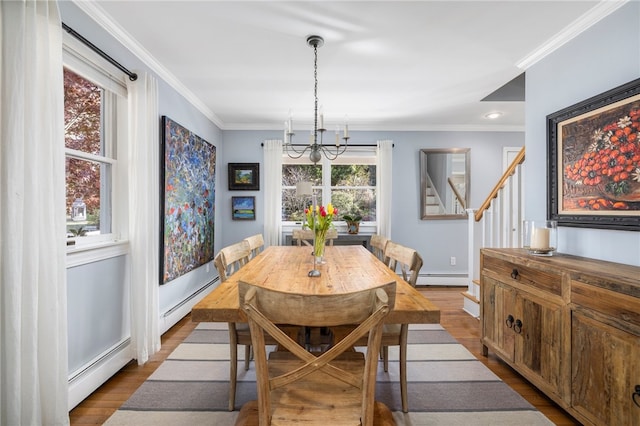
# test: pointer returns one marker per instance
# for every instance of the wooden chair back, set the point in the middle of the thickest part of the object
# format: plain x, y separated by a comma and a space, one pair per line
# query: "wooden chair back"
408, 259
305, 236
231, 258
256, 244
378, 244
299, 386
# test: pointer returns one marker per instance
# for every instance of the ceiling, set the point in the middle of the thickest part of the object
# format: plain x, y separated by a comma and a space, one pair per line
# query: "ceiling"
385, 65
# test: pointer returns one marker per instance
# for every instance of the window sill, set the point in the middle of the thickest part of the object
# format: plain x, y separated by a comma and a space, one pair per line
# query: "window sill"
92, 252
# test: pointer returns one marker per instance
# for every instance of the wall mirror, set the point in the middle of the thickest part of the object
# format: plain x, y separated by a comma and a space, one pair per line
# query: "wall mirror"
444, 183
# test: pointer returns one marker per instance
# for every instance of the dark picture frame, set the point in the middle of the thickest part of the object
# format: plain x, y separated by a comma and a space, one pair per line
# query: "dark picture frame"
187, 194
593, 149
243, 208
244, 176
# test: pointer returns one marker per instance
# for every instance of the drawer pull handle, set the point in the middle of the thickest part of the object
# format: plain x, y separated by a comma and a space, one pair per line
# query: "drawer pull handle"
636, 396
517, 327
509, 321
514, 274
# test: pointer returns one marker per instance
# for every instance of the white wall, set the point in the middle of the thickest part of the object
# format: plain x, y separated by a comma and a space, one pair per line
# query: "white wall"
602, 58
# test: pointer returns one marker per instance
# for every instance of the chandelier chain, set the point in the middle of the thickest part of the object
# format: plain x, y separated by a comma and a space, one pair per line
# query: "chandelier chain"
315, 92
316, 148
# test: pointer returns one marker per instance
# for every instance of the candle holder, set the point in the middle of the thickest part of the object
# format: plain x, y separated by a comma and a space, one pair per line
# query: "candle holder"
540, 237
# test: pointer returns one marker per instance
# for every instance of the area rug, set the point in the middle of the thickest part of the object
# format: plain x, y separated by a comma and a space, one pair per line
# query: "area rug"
447, 385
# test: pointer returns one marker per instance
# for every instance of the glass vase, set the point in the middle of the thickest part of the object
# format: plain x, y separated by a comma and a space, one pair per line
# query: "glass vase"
318, 246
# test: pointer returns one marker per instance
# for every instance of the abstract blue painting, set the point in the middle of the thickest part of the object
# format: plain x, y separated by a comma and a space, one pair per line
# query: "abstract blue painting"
188, 201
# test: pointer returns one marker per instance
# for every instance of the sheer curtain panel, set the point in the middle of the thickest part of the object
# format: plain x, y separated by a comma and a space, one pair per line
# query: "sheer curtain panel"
384, 180
273, 192
144, 199
33, 289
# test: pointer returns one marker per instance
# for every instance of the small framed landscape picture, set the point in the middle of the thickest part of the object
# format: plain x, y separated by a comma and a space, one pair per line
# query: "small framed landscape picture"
243, 208
244, 176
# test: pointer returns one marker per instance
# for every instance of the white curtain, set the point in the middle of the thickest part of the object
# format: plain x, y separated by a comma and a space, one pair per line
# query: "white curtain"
33, 288
144, 181
384, 179
273, 192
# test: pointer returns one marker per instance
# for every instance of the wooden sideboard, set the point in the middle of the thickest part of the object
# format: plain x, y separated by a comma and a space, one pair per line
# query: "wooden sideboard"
568, 324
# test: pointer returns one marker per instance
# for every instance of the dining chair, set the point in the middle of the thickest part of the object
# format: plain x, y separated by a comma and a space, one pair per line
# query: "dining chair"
231, 258
256, 244
378, 244
228, 261
332, 387
305, 236
409, 261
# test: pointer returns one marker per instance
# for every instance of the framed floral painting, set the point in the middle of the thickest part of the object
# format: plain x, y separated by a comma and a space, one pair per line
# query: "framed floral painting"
594, 161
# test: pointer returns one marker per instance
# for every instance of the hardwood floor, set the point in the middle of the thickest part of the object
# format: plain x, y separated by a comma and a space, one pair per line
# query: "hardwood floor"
98, 406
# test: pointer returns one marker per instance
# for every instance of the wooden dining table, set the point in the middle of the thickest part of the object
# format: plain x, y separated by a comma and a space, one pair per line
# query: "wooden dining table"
345, 269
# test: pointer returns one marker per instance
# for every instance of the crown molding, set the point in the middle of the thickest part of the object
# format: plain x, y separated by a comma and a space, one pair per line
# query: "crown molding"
364, 127
590, 18
98, 14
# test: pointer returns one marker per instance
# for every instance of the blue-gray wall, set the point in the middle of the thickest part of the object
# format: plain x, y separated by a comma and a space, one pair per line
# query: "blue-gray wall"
105, 283
435, 240
605, 56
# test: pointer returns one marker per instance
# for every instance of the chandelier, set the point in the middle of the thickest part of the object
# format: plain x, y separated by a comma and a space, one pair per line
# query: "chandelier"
316, 148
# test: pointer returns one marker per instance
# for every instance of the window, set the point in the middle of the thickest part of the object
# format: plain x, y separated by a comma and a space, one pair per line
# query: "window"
349, 182
88, 163
93, 103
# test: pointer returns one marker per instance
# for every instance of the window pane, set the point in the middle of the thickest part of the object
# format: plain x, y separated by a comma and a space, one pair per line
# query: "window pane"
294, 173
84, 200
293, 206
82, 114
353, 175
357, 201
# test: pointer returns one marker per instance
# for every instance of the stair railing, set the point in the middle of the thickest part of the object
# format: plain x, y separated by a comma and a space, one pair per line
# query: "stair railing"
456, 193
497, 223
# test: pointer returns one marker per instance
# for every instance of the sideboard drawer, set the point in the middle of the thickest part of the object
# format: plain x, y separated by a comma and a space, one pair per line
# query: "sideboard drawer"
544, 280
621, 308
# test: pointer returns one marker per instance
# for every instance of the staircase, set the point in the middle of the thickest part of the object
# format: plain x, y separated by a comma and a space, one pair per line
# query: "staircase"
434, 205
497, 223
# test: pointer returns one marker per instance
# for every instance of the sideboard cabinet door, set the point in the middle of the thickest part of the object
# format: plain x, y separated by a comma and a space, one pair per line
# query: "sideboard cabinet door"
605, 371
539, 348
499, 304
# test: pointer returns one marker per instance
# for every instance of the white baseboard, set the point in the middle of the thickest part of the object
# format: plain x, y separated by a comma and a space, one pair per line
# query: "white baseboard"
97, 373
171, 317
446, 280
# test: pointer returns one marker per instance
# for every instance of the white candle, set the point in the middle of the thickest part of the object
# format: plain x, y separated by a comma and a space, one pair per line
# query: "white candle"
321, 122
346, 130
289, 126
540, 238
